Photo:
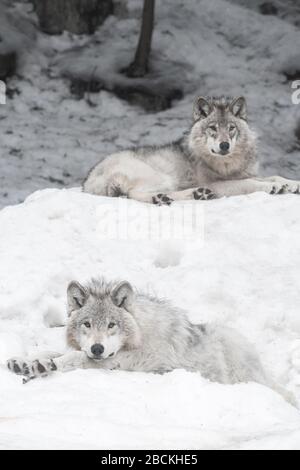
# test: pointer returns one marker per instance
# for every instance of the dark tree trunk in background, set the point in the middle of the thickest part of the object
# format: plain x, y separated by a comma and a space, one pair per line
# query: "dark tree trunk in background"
76, 16
139, 66
8, 64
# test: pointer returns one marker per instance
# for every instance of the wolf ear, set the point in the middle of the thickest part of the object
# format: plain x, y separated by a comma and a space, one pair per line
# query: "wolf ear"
238, 108
122, 295
202, 108
77, 296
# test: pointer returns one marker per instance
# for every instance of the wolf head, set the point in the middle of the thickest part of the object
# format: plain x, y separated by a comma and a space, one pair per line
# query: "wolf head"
101, 321
220, 128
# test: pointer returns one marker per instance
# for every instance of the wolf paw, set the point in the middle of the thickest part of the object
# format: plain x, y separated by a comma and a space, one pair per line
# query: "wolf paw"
294, 187
279, 188
31, 369
280, 185
162, 200
17, 366
203, 194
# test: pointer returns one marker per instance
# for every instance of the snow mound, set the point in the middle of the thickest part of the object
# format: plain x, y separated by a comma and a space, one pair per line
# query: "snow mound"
242, 271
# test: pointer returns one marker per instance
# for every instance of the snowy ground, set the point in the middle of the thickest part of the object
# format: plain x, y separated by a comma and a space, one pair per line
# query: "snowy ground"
243, 271
48, 139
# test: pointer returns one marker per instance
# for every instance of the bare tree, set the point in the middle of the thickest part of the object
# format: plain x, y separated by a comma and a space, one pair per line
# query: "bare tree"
139, 67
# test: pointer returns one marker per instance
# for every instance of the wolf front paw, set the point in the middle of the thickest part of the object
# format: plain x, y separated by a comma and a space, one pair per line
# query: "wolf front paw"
294, 187
31, 369
278, 188
18, 366
162, 200
203, 194
281, 185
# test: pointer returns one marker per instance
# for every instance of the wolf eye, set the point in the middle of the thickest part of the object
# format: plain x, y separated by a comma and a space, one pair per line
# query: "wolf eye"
213, 128
87, 324
111, 325
231, 128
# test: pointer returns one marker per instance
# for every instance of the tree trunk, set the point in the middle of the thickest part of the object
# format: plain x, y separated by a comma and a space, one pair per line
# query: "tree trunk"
139, 67
76, 16
8, 64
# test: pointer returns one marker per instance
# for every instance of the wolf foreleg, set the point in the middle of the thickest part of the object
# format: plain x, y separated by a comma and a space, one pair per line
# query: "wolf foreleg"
200, 194
46, 365
73, 360
252, 185
231, 188
217, 189
293, 185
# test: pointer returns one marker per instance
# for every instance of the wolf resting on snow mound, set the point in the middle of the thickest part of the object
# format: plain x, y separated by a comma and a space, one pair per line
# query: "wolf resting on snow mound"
216, 158
112, 327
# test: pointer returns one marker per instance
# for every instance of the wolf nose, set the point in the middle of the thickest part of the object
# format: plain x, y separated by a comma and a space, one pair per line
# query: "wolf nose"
97, 350
224, 146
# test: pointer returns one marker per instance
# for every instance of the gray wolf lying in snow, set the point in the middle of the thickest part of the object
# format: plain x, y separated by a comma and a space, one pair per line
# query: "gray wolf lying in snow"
112, 327
216, 158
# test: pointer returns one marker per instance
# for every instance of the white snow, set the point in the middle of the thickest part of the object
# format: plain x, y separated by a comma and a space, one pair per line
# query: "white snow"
243, 272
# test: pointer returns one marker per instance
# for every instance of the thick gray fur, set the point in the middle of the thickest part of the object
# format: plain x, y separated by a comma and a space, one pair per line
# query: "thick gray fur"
136, 332
195, 167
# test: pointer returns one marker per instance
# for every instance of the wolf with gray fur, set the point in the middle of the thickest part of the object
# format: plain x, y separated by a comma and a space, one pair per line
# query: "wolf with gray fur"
216, 158
112, 327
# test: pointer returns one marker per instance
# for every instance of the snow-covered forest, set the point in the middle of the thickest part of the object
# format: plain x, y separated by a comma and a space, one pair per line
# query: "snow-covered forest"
70, 102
